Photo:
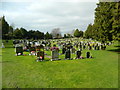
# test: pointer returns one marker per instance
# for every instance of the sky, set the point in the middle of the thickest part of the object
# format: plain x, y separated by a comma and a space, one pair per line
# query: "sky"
48, 15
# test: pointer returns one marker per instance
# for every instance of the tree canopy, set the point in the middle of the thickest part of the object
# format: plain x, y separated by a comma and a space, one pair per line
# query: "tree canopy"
106, 25
78, 33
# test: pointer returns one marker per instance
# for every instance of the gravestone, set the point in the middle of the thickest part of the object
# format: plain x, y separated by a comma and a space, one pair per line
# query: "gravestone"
103, 47
55, 55
90, 47
98, 47
76, 45
80, 46
68, 54
40, 55
40, 52
88, 55
47, 48
84, 46
63, 50
19, 50
15, 42
95, 47
32, 51
2, 46
78, 54
73, 50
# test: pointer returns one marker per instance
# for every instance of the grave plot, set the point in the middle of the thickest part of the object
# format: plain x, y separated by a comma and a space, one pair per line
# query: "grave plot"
40, 52
18, 50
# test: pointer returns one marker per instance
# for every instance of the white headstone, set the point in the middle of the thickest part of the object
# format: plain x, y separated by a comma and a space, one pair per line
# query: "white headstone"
55, 54
2, 46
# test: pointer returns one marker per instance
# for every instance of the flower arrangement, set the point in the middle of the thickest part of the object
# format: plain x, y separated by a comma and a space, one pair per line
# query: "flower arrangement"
54, 48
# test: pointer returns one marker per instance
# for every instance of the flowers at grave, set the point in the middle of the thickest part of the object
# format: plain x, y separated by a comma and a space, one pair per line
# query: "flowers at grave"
41, 57
54, 48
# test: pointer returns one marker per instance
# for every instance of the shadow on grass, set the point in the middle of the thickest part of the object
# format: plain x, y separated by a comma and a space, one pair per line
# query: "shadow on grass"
5, 61
115, 50
117, 46
9, 47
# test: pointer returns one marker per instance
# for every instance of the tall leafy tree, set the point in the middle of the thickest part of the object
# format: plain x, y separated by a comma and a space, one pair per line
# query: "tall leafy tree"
78, 33
48, 36
17, 34
88, 32
106, 24
5, 28
24, 33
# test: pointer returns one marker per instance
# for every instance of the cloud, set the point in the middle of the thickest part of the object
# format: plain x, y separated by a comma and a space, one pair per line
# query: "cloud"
52, 0
45, 16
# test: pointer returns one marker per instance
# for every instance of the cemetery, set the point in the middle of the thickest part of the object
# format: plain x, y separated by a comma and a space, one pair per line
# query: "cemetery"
31, 65
60, 45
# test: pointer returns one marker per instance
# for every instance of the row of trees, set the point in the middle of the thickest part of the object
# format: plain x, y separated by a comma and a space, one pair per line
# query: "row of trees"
106, 25
75, 33
8, 32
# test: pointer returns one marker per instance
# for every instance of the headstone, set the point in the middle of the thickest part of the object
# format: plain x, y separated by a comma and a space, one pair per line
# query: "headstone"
73, 50
98, 47
63, 50
104, 47
55, 55
68, 54
19, 50
90, 47
78, 54
95, 47
2, 46
88, 55
76, 45
84, 46
32, 51
40, 53
80, 46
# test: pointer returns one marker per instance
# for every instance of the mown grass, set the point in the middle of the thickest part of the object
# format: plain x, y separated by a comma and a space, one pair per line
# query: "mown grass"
24, 72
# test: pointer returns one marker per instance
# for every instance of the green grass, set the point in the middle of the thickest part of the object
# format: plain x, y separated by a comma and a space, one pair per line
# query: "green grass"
24, 72
0, 66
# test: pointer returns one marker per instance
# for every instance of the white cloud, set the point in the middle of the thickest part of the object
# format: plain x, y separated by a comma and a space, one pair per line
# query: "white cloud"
45, 16
51, 0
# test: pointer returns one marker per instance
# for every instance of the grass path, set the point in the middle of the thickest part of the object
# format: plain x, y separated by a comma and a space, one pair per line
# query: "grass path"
24, 72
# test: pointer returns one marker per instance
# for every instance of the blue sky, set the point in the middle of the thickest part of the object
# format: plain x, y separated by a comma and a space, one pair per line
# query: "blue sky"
45, 16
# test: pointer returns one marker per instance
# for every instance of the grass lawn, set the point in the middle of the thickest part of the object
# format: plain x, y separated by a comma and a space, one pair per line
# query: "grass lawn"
24, 72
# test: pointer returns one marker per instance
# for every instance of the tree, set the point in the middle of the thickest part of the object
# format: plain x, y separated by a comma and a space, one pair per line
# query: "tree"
24, 33
88, 32
0, 28
56, 33
78, 33
65, 36
106, 23
17, 34
81, 33
48, 36
116, 21
10, 29
5, 27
